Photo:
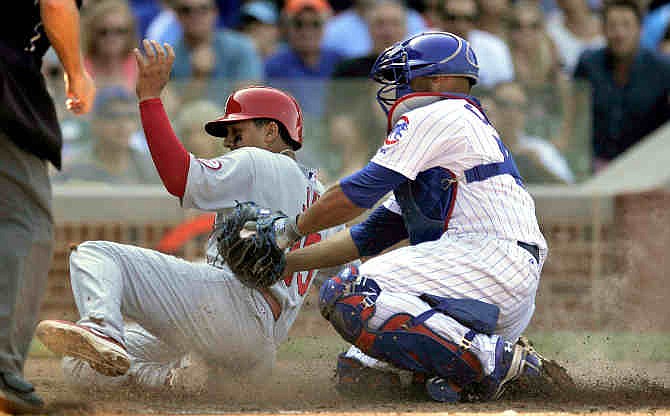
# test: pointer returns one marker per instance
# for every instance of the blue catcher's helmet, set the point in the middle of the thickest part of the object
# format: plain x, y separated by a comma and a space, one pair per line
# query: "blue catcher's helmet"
429, 53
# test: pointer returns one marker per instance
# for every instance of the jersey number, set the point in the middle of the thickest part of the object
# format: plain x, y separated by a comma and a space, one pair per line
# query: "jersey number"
304, 277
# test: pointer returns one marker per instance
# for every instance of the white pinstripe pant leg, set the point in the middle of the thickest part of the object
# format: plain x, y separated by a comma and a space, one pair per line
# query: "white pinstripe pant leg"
493, 271
500, 273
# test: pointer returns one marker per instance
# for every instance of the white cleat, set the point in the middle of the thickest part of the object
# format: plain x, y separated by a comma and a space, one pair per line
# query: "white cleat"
104, 354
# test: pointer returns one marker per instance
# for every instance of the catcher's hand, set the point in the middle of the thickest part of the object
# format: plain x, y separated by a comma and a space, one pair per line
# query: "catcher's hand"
248, 244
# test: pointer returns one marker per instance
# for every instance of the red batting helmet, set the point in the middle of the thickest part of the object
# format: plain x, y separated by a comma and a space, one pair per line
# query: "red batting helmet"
260, 102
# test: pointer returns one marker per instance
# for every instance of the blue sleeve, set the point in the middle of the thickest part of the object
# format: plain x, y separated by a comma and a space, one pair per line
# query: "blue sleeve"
365, 187
382, 229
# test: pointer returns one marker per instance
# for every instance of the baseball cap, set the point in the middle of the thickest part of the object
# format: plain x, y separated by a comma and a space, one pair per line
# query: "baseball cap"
296, 6
263, 11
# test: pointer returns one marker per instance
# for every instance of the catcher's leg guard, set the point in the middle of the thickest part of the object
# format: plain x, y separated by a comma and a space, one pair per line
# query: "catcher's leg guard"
349, 302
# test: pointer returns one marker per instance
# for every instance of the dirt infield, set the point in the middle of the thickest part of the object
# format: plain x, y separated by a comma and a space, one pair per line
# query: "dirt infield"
308, 388
303, 383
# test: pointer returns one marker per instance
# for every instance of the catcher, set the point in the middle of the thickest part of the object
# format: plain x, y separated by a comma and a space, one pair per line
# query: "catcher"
183, 310
450, 307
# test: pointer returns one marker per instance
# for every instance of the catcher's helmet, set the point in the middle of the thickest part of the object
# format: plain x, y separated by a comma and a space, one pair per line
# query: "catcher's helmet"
425, 54
260, 102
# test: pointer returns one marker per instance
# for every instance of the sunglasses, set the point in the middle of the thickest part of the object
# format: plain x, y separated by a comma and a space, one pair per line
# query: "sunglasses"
189, 10
307, 23
516, 25
113, 31
451, 17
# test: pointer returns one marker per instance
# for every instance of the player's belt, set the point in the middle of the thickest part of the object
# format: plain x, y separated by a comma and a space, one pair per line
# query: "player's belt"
272, 301
531, 248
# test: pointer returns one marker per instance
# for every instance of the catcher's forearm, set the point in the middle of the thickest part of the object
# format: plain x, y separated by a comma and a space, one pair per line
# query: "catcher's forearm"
339, 249
333, 208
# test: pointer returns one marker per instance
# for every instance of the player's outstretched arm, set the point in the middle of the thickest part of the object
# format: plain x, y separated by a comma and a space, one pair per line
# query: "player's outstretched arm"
336, 250
169, 155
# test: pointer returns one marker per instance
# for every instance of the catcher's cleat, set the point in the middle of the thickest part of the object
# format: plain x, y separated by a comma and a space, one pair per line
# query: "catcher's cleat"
511, 362
355, 378
442, 390
104, 354
18, 396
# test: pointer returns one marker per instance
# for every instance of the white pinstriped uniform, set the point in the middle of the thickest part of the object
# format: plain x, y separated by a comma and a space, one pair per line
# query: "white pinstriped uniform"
477, 256
183, 307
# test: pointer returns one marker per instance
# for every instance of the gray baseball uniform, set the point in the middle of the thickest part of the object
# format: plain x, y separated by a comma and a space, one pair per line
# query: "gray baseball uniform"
195, 307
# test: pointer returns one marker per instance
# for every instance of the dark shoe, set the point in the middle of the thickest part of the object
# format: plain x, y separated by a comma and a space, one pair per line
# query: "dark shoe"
18, 396
442, 391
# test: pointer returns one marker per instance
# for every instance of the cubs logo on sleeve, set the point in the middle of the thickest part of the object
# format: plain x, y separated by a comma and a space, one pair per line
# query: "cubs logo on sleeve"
396, 134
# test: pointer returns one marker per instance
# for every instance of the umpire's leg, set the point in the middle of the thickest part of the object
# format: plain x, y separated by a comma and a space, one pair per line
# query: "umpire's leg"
26, 246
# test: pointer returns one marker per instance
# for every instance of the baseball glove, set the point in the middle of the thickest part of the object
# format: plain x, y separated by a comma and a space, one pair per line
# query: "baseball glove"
252, 254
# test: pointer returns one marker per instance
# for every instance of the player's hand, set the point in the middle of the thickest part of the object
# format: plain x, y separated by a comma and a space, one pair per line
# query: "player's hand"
285, 231
154, 67
80, 91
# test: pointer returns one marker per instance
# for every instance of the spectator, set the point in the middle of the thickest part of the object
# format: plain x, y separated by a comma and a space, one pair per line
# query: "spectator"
165, 27
302, 65
191, 129
537, 159
495, 60
629, 85
573, 29
537, 66
535, 57
431, 12
205, 52
493, 17
386, 21
145, 11
258, 20
109, 39
356, 127
109, 156
348, 33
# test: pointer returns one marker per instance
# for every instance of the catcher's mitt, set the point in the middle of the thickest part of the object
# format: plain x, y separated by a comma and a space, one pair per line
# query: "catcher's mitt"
253, 255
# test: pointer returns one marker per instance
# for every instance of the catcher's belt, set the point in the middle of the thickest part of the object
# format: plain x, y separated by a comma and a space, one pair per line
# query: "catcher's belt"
272, 301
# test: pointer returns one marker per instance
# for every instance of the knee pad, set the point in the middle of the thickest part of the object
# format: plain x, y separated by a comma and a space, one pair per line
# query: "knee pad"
345, 283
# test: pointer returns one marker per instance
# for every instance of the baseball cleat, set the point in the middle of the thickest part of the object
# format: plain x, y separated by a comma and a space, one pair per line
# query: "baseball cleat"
442, 390
511, 362
104, 354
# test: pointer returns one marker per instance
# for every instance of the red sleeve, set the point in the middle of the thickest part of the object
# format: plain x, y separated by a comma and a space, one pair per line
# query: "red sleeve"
169, 155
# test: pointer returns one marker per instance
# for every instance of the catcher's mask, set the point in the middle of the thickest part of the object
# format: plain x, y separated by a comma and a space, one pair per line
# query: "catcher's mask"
260, 102
425, 54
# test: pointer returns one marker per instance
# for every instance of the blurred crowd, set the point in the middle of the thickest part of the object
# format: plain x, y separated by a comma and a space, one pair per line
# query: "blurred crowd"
569, 84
